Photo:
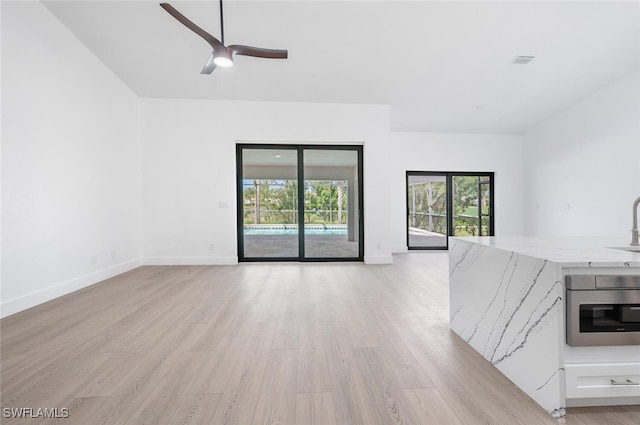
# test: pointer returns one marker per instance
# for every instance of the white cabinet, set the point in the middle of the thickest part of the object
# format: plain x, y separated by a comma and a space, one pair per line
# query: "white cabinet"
595, 380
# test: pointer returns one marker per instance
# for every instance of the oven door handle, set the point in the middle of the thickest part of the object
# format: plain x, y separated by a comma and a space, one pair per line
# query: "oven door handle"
627, 382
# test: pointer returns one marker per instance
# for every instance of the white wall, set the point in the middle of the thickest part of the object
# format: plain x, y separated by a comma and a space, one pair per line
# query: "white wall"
189, 186
189, 170
70, 163
501, 154
583, 165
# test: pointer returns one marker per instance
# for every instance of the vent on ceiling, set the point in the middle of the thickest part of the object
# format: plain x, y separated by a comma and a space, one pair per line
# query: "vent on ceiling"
523, 60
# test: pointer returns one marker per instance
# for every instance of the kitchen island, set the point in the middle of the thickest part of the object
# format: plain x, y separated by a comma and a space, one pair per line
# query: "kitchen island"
507, 300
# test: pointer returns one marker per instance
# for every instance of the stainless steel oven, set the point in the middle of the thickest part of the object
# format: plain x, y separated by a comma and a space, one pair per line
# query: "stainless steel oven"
603, 310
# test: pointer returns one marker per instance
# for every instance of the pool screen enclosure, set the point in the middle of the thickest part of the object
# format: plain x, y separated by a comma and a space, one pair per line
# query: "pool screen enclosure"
299, 202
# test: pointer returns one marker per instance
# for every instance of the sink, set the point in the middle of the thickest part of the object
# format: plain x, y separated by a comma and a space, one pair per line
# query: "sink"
628, 248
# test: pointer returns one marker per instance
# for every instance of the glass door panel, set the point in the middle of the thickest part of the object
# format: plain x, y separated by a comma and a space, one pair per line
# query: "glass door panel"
331, 203
427, 211
472, 205
270, 203
465, 205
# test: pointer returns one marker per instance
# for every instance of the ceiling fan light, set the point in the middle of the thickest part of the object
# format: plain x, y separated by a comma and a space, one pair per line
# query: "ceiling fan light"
224, 60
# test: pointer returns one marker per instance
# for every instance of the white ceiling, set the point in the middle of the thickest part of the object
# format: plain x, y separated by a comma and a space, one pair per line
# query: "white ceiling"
441, 66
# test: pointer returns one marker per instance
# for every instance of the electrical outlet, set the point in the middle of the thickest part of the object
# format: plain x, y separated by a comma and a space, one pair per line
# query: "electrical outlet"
94, 260
113, 255
212, 247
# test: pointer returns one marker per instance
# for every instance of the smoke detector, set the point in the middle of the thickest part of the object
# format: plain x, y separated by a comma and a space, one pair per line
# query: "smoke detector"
523, 60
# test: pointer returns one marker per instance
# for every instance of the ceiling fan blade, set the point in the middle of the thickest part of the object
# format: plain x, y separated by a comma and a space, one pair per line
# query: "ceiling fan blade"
209, 66
258, 52
213, 42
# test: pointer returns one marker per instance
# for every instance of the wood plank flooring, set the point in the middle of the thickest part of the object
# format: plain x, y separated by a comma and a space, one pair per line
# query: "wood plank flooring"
257, 344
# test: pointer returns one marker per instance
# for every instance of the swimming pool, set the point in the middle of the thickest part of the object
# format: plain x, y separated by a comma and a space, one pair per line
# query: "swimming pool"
292, 229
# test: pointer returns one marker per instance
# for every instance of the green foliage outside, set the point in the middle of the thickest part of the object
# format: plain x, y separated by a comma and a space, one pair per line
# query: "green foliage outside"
325, 202
465, 195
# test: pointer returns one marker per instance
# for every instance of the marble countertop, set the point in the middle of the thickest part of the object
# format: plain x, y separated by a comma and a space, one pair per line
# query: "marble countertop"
567, 251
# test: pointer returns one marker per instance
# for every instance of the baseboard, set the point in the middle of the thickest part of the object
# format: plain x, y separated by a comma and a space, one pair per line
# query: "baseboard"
33, 299
379, 259
190, 261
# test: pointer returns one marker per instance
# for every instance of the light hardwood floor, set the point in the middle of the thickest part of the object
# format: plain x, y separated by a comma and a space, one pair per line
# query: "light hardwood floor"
263, 343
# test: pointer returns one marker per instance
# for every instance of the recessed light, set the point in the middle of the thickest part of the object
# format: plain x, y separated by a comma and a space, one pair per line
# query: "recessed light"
523, 60
278, 156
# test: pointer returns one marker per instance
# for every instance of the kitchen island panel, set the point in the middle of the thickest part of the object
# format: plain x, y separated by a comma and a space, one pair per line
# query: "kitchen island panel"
509, 307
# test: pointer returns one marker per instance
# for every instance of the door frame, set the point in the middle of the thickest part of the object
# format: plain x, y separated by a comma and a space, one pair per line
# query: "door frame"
300, 148
450, 207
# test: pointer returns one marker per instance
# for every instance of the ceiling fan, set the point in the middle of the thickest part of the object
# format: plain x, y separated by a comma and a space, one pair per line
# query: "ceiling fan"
222, 55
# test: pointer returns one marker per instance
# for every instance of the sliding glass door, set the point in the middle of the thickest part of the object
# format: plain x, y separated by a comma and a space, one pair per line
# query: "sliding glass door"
447, 204
299, 203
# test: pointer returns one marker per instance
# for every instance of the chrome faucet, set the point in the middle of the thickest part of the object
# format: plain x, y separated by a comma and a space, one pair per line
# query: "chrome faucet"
634, 231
